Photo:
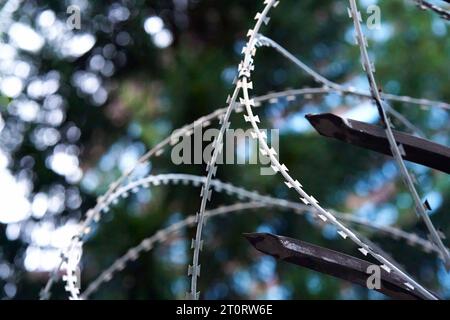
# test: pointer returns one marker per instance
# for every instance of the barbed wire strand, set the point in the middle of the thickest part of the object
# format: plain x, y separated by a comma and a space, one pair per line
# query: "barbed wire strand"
265, 201
93, 213
245, 67
397, 150
242, 193
425, 5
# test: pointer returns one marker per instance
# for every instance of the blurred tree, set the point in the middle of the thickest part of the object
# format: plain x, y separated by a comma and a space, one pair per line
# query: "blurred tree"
78, 107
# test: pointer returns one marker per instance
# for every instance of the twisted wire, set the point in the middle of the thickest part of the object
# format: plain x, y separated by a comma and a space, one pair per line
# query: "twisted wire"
245, 68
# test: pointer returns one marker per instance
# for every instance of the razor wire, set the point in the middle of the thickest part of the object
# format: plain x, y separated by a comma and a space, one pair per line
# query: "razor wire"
243, 194
425, 5
397, 151
93, 214
245, 68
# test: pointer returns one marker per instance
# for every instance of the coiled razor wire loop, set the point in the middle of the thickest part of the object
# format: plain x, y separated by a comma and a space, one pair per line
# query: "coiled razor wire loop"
397, 150
165, 234
241, 193
425, 5
310, 200
245, 68
93, 213
205, 121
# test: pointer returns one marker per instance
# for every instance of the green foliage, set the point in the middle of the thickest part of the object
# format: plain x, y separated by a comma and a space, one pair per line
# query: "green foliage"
155, 91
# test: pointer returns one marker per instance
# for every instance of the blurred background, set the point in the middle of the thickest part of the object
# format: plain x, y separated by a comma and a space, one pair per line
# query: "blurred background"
78, 107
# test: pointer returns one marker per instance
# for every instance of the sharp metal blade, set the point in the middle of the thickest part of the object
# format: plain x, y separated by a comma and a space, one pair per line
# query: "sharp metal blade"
373, 137
330, 262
